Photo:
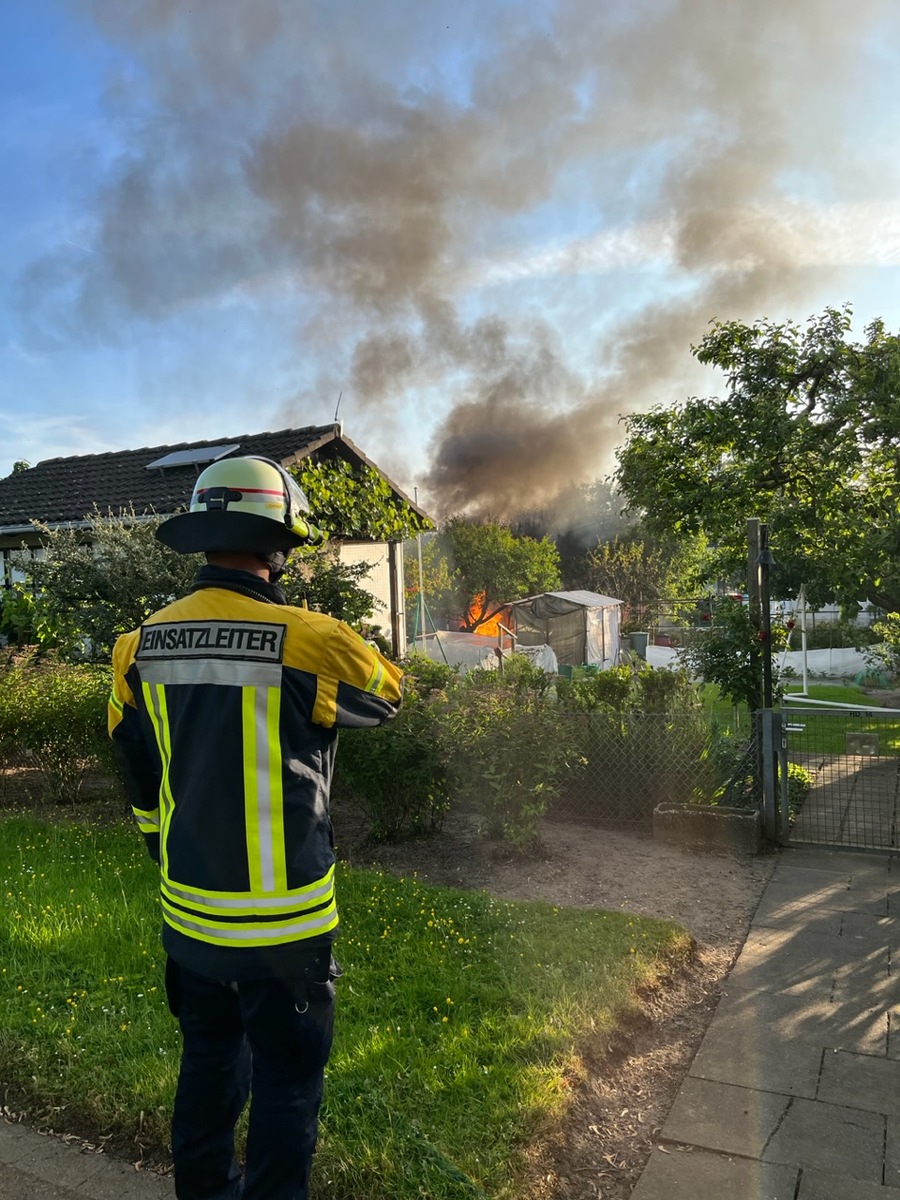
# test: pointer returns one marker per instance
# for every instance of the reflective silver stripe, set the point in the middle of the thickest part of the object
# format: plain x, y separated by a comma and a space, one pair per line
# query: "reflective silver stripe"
221, 672
145, 818
263, 790
248, 903
254, 933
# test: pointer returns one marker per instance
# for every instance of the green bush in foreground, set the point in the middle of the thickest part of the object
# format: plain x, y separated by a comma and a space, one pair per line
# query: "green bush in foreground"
462, 1019
53, 717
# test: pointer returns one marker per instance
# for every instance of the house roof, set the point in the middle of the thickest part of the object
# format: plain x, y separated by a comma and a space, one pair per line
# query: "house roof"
580, 598
62, 491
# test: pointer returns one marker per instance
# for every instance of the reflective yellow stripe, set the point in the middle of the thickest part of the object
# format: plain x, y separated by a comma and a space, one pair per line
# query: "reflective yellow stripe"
276, 792
268, 933
229, 905
376, 679
251, 787
155, 704
147, 819
115, 711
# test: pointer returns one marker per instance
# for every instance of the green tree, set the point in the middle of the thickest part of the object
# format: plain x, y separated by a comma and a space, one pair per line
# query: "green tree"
806, 437
729, 654
640, 569
324, 583
93, 584
483, 565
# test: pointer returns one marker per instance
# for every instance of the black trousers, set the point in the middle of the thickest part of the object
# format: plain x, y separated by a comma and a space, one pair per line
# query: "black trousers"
267, 1040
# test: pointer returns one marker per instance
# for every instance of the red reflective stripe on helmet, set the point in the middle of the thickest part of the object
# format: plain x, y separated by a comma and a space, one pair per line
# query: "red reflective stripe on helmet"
238, 488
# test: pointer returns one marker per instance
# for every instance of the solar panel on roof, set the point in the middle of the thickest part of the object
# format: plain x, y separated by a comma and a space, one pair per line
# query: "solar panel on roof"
186, 458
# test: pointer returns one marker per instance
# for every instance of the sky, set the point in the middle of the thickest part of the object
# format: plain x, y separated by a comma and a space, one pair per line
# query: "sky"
480, 233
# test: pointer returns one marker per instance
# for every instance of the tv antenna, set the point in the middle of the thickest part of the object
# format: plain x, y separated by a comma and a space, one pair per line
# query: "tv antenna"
337, 406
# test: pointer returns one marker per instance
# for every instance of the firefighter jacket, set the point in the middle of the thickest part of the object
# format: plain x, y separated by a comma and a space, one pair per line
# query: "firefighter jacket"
224, 715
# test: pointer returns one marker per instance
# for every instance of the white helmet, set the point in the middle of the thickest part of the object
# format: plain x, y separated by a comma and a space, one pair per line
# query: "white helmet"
249, 504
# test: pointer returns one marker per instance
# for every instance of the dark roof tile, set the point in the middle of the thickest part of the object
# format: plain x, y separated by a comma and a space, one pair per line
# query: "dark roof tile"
60, 490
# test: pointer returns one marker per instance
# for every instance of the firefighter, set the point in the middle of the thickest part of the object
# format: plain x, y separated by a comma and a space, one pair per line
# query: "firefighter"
224, 716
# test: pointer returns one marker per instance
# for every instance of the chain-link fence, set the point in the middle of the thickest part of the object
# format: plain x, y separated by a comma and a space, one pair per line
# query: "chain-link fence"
630, 763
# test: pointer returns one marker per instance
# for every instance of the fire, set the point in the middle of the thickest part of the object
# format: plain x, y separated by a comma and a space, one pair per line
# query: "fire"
489, 628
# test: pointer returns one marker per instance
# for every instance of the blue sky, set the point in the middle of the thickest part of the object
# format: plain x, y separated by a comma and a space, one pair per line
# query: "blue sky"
491, 227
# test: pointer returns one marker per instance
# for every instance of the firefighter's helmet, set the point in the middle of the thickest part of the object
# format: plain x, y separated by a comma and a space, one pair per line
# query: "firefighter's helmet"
247, 504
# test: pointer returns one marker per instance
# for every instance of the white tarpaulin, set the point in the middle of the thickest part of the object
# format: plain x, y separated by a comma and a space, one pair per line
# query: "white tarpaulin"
581, 627
469, 650
820, 664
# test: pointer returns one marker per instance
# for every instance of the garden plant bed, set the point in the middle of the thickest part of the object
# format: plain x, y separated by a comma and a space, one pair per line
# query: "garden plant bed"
630, 1084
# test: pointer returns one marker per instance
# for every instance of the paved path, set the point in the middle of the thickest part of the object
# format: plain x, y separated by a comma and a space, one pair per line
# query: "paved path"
33, 1167
794, 1093
854, 801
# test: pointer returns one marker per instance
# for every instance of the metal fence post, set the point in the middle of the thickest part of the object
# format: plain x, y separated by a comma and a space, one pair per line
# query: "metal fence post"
784, 782
769, 779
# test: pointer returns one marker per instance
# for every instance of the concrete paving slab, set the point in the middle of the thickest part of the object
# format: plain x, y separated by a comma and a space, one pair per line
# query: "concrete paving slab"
719, 1116
877, 905
41, 1167
872, 884
812, 1002
788, 906
867, 927
779, 959
828, 1137
749, 1057
692, 1175
867, 979
58, 1163
894, 1033
813, 887
16, 1141
892, 1153
16, 1185
810, 880
797, 1017
860, 1081
819, 858
827, 922
817, 1185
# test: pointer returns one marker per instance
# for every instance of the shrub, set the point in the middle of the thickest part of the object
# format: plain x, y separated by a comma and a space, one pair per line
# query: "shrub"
799, 783
429, 675
605, 691
512, 746
397, 774
54, 716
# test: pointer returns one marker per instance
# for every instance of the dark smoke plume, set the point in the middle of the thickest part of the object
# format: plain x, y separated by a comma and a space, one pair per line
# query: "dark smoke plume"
383, 159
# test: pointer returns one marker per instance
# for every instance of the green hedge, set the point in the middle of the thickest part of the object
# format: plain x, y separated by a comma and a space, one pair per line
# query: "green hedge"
53, 718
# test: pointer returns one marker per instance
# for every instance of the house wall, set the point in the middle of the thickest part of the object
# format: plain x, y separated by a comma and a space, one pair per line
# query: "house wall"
11, 549
378, 581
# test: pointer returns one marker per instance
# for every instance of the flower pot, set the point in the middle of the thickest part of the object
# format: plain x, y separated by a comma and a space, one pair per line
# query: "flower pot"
709, 827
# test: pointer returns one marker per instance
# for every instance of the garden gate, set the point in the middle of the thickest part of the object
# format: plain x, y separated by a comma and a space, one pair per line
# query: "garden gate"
853, 757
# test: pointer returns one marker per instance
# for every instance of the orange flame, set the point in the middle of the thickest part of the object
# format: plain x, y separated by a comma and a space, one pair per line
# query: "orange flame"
489, 628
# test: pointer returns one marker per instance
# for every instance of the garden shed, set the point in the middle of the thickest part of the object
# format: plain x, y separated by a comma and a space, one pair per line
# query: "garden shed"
582, 628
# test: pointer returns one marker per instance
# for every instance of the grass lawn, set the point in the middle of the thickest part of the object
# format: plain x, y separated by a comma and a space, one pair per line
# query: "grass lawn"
462, 1019
823, 730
